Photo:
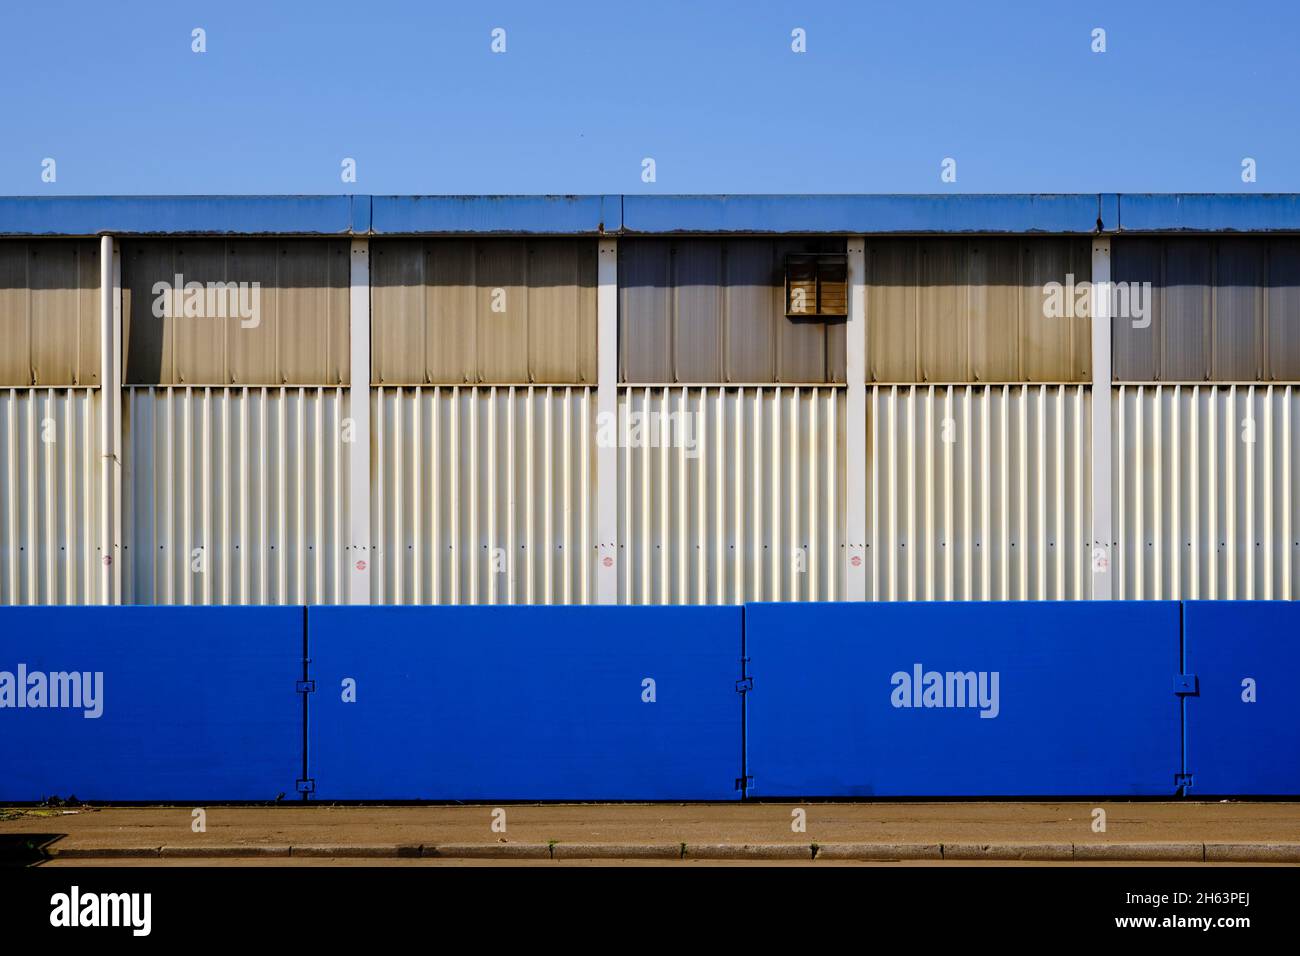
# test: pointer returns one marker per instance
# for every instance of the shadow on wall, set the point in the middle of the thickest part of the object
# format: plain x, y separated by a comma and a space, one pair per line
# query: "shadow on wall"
235, 312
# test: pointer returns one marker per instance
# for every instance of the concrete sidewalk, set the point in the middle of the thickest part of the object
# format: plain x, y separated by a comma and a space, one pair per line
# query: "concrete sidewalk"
1059, 832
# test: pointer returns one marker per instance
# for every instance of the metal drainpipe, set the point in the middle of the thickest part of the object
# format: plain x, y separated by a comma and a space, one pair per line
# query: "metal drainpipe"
107, 420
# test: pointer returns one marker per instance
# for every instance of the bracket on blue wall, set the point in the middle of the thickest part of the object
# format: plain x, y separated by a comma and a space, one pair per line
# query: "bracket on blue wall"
1186, 685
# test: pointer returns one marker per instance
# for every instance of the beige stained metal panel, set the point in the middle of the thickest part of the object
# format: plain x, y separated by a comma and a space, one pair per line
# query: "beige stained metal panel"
993, 274
483, 495
1282, 310
234, 495
942, 314
698, 311
746, 503
1136, 346
297, 333
1206, 487
449, 340
705, 311
1240, 296
1053, 349
49, 313
561, 299
490, 311
502, 336
49, 496
645, 312
893, 289
1186, 312
978, 492
15, 316
1223, 309
972, 311
399, 328
749, 281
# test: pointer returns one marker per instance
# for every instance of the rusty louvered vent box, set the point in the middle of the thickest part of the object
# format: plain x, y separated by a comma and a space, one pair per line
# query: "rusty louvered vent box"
816, 285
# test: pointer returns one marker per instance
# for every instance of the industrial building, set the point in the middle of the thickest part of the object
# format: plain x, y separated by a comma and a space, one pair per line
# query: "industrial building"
648, 399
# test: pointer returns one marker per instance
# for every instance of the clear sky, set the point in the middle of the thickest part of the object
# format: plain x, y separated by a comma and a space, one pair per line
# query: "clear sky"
585, 91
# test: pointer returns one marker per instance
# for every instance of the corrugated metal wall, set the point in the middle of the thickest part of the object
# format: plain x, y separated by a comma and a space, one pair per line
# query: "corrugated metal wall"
712, 311
1206, 483
49, 312
256, 478
483, 495
972, 310
978, 492
1223, 309
753, 511
499, 311
49, 497
486, 493
298, 334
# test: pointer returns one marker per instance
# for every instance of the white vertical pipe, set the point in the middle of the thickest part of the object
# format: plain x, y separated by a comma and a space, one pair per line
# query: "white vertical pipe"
1102, 575
606, 423
115, 397
855, 422
359, 565
110, 416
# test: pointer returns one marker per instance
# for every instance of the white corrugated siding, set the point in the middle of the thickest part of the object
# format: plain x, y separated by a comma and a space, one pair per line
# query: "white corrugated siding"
978, 492
49, 496
1206, 481
255, 477
754, 512
483, 495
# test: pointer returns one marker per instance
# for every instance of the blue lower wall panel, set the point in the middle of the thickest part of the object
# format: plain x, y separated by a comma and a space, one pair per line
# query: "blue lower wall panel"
1236, 746
525, 703
1085, 699
174, 703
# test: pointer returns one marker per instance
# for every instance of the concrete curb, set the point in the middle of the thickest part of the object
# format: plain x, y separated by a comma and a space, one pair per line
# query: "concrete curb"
1008, 851
490, 851
748, 851
223, 852
616, 851
866, 852
356, 852
102, 852
879, 851
1252, 852
1169, 852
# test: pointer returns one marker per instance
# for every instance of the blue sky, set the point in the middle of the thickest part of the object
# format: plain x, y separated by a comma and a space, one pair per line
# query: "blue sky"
711, 90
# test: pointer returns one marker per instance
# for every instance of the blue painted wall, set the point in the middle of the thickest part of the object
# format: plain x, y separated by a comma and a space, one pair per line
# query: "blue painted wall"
1085, 700
546, 703
515, 703
194, 703
1236, 745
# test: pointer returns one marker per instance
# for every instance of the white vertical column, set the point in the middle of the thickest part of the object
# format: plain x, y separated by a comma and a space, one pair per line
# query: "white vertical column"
115, 396
110, 421
606, 423
360, 557
855, 458
1102, 571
